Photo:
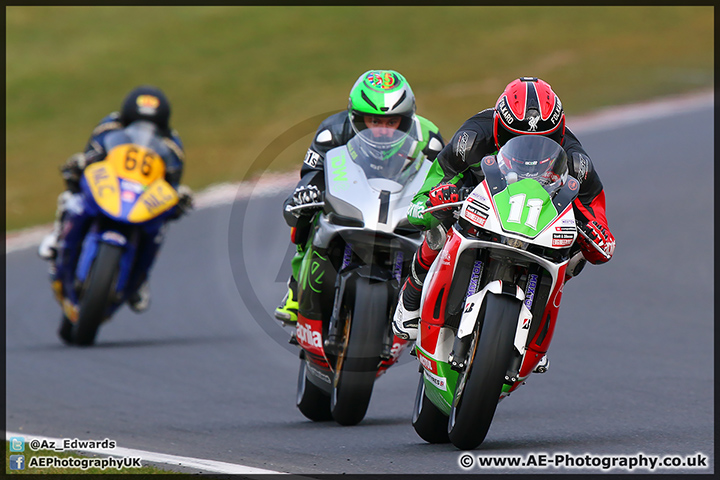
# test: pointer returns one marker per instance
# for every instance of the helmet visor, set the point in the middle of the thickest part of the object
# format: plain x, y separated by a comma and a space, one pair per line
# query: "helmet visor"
386, 155
535, 157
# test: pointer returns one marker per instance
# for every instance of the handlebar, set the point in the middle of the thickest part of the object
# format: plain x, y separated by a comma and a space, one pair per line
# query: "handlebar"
441, 207
595, 245
296, 208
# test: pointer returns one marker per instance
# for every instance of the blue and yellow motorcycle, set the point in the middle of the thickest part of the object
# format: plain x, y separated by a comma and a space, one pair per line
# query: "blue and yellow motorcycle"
122, 199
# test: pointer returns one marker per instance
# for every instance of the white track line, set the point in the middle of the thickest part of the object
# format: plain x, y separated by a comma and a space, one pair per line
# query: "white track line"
268, 184
188, 462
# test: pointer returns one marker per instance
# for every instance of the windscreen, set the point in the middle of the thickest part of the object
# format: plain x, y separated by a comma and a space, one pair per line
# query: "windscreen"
535, 157
385, 155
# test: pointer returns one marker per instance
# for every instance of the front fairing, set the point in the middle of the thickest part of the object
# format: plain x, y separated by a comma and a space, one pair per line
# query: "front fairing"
522, 213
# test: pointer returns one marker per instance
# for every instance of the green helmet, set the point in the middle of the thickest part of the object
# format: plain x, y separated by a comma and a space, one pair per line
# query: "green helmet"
381, 93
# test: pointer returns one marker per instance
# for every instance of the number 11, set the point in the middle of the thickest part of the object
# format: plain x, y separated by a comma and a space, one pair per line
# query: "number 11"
517, 205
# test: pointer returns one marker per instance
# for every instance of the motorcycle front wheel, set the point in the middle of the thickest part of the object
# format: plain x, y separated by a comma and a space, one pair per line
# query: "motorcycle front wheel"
479, 387
428, 421
311, 400
357, 364
97, 293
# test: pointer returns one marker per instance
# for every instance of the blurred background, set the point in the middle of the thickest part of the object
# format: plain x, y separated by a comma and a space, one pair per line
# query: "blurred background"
238, 77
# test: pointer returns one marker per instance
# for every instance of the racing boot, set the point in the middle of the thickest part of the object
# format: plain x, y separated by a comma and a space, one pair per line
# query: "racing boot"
48, 246
287, 311
405, 321
140, 300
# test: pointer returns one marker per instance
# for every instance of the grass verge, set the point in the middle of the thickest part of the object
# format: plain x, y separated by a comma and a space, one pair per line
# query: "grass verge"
240, 76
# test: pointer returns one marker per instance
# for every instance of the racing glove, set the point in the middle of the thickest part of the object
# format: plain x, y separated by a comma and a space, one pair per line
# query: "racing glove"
601, 236
71, 171
441, 194
185, 202
305, 195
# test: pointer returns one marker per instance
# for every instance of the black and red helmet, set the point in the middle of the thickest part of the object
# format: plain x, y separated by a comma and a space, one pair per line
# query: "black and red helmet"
528, 106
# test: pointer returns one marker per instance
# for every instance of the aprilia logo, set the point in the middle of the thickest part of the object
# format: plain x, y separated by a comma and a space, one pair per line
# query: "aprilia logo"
307, 336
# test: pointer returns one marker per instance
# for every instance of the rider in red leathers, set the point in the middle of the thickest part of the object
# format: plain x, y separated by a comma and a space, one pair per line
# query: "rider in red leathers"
527, 106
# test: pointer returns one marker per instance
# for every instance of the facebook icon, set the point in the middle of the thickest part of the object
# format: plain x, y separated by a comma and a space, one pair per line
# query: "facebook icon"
17, 462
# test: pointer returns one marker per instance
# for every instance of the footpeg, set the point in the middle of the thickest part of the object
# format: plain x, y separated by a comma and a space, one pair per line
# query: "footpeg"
543, 365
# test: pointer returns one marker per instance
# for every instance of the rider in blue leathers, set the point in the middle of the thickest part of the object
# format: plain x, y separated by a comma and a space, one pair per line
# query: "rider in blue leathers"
145, 104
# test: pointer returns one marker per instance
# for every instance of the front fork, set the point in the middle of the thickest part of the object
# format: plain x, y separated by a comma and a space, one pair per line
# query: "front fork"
469, 323
336, 325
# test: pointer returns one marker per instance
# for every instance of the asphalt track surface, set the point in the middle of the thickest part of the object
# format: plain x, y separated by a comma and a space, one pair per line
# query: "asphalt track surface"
207, 373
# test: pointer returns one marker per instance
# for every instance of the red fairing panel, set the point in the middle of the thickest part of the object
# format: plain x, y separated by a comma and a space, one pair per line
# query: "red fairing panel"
433, 310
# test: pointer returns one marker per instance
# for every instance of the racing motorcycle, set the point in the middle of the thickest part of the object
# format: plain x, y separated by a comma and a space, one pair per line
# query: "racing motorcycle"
360, 251
489, 306
123, 196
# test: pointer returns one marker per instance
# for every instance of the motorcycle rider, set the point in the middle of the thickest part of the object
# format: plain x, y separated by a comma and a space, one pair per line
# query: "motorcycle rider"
62, 245
527, 106
381, 100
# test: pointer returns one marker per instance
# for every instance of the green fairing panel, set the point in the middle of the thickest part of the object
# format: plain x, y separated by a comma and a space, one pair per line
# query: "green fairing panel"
525, 208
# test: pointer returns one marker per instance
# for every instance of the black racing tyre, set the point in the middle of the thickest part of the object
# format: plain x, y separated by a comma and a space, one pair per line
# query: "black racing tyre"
357, 364
97, 293
65, 332
477, 394
428, 421
311, 400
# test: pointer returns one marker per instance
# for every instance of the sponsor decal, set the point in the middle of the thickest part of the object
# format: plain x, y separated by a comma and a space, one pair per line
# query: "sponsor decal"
489, 160
475, 218
147, 104
582, 167
132, 186
397, 349
321, 375
398, 265
558, 296
532, 122
505, 112
573, 184
307, 336
477, 199
557, 112
565, 229
382, 80
339, 172
414, 210
114, 237
476, 211
474, 278
446, 260
316, 273
461, 146
311, 158
427, 363
439, 382
530, 294
562, 239
128, 196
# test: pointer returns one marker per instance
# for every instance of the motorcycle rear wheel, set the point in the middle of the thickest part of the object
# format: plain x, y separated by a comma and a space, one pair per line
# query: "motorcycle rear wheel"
357, 365
478, 392
96, 296
429, 422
